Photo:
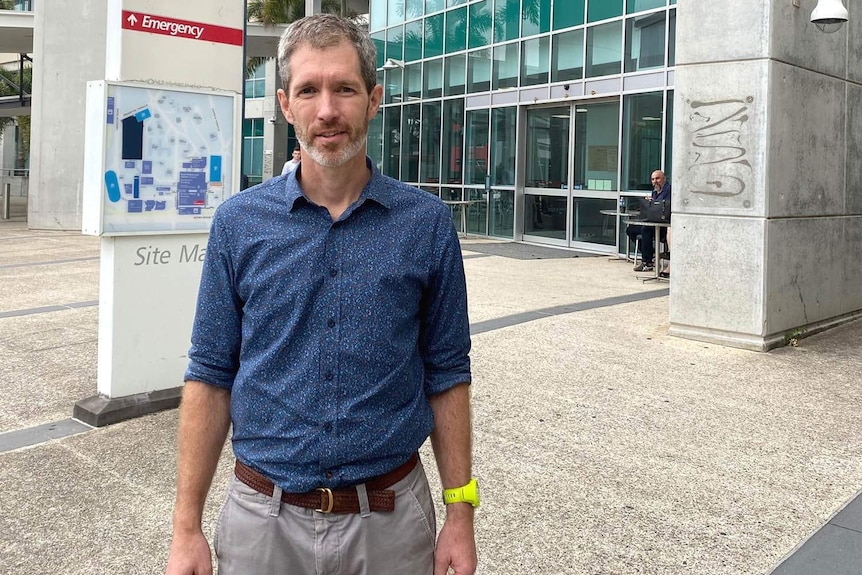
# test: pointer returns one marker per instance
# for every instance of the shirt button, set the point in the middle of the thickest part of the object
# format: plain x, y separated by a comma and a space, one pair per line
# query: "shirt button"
333, 272
329, 475
327, 427
328, 376
331, 323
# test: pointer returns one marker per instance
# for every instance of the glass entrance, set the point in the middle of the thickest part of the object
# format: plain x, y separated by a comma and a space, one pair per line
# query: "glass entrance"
571, 175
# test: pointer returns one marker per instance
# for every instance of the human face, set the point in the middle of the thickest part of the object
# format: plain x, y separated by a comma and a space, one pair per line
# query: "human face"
328, 104
657, 180
297, 155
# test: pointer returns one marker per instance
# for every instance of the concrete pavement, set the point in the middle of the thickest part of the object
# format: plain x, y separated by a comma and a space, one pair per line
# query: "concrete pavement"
603, 445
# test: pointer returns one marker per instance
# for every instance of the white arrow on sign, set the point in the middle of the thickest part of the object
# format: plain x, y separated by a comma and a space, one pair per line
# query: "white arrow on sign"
132, 19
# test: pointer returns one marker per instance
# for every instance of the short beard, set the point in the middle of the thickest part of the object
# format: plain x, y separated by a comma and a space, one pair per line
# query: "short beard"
328, 159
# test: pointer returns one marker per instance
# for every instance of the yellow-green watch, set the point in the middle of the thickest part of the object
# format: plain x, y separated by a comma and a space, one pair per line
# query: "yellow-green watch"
467, 493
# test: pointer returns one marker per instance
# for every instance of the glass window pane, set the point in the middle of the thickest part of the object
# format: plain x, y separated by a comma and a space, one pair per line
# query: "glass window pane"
410, 144
545, 216
413, 41
535, 17
477, 211
535, 62
433, 6
638, 5
477, 147
590, 225
456, 75
507, 19
456, 30
394, 78
430, 150
375, 139
391, 140
379, 41
668, 136
503, 145
645, 42
642, 147
414, 9
568, 56
450, 3
453, 140
395, 43
548, 148
597, 132
501, 211
479, 71
395, 13
257, 127
604, 49
247, 128
433, 78
568, 13
413, 82
671, 39
505, 70
434, 36
480, 24
377, 14
601, 9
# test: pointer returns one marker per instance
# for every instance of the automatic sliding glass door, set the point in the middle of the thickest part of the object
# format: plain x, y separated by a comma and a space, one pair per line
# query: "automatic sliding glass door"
546, 175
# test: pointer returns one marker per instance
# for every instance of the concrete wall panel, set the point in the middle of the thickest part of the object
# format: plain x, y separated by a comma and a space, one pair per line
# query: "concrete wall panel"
722, 31
806, 143
795, 40
853, 179
718, 273
720, 138
805, 271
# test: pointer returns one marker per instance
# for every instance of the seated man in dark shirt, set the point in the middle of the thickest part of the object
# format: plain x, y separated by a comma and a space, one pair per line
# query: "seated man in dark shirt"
661, 191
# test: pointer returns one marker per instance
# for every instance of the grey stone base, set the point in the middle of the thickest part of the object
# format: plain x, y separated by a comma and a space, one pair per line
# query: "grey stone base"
99, 410
759, 343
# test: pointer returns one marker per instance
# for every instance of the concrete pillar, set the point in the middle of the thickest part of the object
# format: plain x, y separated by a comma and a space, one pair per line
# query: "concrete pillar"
68, 50
767, 183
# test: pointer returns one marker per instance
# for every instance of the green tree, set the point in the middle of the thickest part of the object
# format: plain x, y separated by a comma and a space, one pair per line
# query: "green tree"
7, 4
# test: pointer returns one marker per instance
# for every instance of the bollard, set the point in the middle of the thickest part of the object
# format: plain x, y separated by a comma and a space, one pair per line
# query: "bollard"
7, 194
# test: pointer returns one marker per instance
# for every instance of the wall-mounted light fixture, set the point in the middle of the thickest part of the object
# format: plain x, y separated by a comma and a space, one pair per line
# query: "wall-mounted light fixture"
392, 64
828, 15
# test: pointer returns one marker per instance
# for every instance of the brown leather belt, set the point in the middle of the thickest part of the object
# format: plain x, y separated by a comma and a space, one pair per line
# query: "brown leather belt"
325, 500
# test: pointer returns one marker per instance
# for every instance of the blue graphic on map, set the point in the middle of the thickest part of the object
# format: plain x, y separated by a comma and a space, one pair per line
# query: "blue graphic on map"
168, 160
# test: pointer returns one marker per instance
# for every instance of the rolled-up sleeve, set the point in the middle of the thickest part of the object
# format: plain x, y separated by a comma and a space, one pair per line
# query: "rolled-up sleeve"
217, 330
445, 333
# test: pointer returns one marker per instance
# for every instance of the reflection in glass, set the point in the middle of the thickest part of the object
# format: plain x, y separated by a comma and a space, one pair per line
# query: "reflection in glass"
507, 19
395, 14
505, 70
453, 140
602, 9
413, 82
503, 145
430, 150
590, 225
395, 43
410, 144
477, 211
434, 36
671, 38
642, 115
394, 78
568, 13
391, 140
668, 136
456, 30
639, 5
545, 216
479, 71
413, 41
547, 148
535, 17
568, 56
480, 24
375, 139
379, 41
377, 13
455, 75
477, 147
433, 78
501, 213
414, 9
433, 6
645, 42
535, 62
604, 49
597, 132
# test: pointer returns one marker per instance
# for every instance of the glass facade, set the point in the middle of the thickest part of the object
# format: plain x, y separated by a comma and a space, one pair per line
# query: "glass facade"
252, 150
255, 82
493, 106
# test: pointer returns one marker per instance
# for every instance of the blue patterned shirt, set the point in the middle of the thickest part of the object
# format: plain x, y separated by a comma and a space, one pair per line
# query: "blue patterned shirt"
331, 336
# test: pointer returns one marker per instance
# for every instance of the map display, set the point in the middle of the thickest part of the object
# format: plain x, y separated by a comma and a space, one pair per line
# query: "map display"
169, 159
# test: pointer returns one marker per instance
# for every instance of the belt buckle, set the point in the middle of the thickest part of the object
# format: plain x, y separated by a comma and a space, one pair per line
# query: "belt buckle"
328, 492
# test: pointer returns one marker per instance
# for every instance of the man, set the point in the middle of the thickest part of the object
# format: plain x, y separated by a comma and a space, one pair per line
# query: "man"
660, 191
293, 162
332, 332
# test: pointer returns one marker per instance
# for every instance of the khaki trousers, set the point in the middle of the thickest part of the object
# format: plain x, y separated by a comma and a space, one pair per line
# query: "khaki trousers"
257, 534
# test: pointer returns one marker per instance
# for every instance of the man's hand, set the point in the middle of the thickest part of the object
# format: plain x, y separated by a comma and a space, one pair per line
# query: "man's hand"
190, 555
456, 546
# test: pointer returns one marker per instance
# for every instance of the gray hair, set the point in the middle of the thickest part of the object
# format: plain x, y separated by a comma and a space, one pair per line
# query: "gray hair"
324, 31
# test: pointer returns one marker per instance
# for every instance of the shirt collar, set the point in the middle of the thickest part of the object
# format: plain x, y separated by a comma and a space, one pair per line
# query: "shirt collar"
375, 190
